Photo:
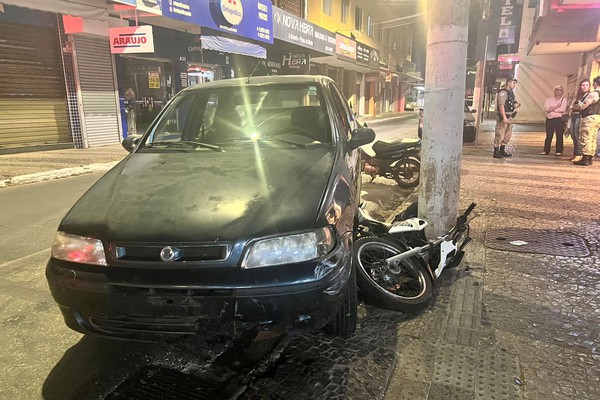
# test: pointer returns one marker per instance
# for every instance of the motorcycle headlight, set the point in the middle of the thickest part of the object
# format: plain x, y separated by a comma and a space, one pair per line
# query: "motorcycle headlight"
290, 248
79, 249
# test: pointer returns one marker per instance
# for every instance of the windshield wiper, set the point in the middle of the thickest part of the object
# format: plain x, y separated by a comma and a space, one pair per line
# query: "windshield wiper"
189, 143
289, 141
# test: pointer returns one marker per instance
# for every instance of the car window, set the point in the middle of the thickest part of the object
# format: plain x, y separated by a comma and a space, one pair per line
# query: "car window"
248, 112
342, 110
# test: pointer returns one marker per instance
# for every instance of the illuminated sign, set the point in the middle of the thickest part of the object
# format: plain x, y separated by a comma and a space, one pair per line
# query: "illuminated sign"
252, 19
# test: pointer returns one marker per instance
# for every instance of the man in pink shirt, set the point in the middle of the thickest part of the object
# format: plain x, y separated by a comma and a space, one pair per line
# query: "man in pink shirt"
555, 106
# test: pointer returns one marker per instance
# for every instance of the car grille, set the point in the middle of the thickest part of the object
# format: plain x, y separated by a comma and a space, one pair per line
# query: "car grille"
149, 253
182, 326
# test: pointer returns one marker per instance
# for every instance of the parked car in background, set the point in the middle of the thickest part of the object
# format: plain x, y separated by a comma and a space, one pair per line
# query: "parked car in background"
236, 209
469, 124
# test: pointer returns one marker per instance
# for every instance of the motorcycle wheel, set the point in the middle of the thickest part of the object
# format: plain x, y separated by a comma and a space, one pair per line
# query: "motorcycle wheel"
406, 172
407, 289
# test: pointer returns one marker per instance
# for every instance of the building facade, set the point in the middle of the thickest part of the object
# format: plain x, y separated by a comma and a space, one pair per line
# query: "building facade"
73, 76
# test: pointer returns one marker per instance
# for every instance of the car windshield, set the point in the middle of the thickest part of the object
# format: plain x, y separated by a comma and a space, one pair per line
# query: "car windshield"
215, 118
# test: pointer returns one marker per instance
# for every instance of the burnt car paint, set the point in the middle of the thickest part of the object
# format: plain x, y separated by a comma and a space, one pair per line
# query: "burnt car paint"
164, 199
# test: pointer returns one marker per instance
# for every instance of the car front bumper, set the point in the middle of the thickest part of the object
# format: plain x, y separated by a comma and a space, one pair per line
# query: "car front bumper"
139, 305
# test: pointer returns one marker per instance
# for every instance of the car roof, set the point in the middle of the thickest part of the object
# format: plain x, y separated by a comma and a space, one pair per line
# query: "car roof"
261, 80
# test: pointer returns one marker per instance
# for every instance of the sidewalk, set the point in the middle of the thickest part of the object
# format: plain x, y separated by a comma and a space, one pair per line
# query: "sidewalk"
29, 167
522, 320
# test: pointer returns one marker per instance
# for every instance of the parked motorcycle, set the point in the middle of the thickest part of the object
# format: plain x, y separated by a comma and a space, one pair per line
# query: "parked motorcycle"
399, 161
396, 265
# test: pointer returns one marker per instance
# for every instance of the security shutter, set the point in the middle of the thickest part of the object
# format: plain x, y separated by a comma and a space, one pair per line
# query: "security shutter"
32, 91
98, 93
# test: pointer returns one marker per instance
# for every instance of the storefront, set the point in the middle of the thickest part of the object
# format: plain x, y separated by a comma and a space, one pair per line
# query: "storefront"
32, 82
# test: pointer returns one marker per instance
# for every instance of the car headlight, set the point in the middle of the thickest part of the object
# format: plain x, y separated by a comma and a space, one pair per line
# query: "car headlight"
290, 248
79, 249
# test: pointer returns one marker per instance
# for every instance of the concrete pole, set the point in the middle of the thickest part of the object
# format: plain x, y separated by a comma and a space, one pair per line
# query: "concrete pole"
445, 79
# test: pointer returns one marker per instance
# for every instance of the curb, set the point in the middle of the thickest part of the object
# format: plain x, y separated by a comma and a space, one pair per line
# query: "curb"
59, 173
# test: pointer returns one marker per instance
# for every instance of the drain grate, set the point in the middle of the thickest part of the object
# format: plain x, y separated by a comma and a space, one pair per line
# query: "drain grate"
538, 242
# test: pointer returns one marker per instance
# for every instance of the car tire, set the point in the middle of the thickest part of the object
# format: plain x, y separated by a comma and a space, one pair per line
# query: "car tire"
343, 324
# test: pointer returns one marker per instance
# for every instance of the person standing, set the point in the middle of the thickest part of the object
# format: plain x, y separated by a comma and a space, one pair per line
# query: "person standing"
505, 106
589, 110
582, 93
555, 106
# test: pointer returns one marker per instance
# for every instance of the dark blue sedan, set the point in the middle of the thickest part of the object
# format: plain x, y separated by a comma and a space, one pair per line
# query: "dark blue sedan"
236, 209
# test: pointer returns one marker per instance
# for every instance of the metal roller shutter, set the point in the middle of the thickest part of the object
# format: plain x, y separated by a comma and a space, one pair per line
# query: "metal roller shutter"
32, 91
98, 93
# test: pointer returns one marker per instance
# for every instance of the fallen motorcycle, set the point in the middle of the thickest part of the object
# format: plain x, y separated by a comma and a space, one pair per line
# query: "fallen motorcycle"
399, 161
396, 265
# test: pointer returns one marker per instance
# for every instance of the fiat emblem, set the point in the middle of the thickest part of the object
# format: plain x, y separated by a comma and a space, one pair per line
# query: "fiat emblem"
170, 254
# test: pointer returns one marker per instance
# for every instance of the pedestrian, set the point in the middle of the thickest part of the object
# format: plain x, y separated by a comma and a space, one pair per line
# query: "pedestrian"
575, 121
555, 106
589, 110
505, 106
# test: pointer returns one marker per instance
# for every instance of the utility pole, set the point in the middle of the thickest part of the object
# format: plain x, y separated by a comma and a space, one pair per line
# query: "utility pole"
443, 114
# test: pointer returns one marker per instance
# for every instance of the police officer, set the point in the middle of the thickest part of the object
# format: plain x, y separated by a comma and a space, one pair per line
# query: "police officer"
505, 106
590, 122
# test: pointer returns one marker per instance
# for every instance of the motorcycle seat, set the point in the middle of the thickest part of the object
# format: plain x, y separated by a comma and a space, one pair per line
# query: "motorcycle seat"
380, 147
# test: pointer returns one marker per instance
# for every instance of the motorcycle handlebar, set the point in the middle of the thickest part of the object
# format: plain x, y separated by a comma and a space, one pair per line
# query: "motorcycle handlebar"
463, 218
468, 210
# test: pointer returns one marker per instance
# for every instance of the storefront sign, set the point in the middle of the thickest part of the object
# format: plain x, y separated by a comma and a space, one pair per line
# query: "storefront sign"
510, 21
154, 79
292, 29
324, 41
252, 19
345, 47
131, 39
295, 63
367, 55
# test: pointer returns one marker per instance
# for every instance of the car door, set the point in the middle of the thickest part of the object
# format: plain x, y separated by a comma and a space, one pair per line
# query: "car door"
350, 158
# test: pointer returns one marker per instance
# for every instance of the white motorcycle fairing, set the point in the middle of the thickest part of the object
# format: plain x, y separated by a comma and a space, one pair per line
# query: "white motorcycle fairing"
408, 225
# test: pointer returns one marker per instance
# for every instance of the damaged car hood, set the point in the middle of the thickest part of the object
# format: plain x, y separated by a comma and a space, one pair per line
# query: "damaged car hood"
208, 196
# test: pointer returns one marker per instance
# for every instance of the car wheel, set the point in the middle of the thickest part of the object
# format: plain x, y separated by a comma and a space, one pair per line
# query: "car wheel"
343, 323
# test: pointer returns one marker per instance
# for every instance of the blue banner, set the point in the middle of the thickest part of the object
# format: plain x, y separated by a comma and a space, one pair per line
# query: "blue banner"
252, 19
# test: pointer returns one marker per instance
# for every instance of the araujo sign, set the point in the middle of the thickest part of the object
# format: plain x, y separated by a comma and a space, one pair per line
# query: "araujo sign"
131, 39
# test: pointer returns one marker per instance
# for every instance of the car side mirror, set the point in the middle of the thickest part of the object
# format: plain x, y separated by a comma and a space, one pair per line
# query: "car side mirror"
130, 142
361, 136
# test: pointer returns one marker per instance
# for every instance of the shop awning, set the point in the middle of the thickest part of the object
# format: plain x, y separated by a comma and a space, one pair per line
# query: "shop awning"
227, 45
571, 31
84, 8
